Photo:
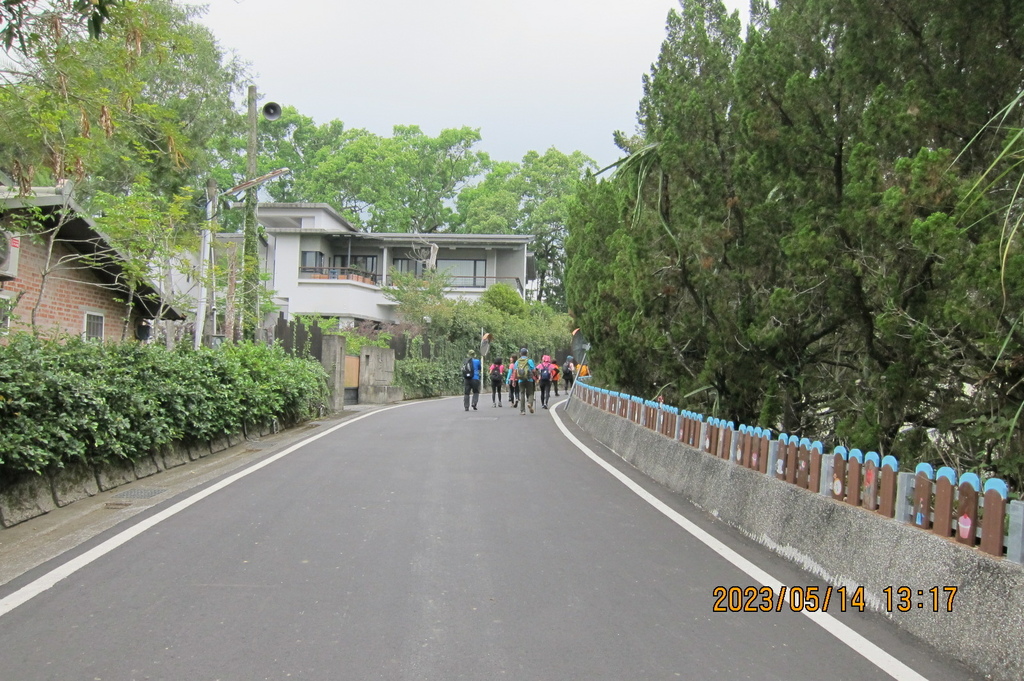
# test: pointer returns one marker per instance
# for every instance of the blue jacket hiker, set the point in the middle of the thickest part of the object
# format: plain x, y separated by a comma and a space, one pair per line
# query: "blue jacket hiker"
471, 380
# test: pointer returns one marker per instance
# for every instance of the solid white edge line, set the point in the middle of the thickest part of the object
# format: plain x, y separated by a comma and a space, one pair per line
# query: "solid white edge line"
875, 655
67, 569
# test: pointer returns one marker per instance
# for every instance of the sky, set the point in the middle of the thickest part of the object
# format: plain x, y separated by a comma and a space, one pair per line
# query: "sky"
530, 74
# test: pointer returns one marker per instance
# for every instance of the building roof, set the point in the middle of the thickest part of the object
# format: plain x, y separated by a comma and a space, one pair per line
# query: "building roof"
79, 233
286, 218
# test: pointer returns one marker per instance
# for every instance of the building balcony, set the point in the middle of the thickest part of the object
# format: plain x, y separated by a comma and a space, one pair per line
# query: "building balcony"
352, 274
338, 274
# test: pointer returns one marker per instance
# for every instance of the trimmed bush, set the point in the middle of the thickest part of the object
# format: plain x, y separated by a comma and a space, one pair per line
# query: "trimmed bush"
77, 400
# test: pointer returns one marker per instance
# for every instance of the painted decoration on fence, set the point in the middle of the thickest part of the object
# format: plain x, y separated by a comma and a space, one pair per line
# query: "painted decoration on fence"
924, 474
967, 530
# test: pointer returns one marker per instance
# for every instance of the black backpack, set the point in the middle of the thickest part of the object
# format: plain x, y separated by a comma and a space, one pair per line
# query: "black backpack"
496, 374
467, 368
545, 372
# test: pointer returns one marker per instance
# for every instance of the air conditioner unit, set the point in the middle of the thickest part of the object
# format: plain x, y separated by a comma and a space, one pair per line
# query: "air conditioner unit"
10, 247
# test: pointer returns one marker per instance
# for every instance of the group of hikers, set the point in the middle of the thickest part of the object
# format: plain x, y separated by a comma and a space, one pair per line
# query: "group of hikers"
523, 377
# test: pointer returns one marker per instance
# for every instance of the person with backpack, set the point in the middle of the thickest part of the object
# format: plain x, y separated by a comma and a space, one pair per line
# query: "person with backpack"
569, 371
556, 377
497, 376
513, 386
545, 373
525, 371
471, 380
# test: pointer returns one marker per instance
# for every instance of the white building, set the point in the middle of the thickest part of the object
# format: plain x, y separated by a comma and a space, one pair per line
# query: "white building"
319, 264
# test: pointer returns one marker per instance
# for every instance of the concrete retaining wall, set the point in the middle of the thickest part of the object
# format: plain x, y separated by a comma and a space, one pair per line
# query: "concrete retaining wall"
33, 495
843, 545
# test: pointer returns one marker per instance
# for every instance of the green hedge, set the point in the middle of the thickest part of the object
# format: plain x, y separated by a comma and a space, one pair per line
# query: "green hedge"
78, 400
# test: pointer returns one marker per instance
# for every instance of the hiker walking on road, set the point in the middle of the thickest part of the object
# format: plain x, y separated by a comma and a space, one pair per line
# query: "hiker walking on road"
545, 374
525, 374
556, 377
513, 385
471, 380
497, 376
569, 371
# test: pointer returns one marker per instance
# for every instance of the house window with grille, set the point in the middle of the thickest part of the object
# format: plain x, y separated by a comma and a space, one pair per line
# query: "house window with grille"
93, 326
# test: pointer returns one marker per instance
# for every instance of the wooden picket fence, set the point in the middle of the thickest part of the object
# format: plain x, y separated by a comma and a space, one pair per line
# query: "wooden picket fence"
966, 510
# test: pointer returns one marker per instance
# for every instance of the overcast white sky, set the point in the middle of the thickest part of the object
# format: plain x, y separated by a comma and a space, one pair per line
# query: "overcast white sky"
531, 74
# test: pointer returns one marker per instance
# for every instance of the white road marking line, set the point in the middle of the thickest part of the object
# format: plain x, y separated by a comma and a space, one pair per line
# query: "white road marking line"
64, 571
875, 655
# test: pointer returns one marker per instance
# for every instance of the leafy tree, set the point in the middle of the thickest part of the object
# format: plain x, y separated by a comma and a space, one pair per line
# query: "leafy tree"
404, 183
532, 198
505, 298
792, 240
145, 98
18, 18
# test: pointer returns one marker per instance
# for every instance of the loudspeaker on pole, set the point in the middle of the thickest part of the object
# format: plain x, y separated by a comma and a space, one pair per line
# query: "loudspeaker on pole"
271, 111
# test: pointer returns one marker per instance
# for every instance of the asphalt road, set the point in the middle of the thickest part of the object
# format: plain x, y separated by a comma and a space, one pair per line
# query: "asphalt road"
421, 542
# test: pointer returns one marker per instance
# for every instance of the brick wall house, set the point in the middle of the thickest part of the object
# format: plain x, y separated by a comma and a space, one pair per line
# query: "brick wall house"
83, 292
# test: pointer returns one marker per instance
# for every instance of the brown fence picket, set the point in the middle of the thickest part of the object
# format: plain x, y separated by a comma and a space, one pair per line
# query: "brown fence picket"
764, 446
887, 487
814, 477
945, 489
992, 519
869, 500
967, 510
854, 465
803, 460
839, 475
792, 451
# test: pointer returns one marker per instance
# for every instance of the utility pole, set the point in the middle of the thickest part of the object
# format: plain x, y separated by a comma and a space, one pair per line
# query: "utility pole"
250, 249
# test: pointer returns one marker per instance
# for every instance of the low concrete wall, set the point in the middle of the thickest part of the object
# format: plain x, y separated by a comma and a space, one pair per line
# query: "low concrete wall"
843, 545
31, 495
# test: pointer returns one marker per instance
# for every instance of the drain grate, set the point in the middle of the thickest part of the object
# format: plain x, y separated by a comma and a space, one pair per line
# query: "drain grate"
140, 493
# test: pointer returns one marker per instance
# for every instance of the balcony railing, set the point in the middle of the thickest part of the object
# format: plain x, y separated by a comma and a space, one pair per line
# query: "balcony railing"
470, 281
338, 273
355, 274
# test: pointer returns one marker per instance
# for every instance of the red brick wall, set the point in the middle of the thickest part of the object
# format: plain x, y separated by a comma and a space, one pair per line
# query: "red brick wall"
71, 290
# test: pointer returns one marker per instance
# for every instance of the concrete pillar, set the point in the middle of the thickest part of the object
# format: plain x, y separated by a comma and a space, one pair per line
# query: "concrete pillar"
1015, 540
333, 362
828, 467
904, 496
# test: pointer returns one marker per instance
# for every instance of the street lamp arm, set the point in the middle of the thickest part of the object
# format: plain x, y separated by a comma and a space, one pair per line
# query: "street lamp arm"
255, 182
204, 248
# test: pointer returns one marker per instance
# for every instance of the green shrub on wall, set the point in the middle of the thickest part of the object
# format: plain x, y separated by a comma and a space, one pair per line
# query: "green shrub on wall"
83, 401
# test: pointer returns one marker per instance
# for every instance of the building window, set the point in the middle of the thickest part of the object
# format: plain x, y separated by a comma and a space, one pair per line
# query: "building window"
312, 260
93, 326
465, 273
406, 265
365, 263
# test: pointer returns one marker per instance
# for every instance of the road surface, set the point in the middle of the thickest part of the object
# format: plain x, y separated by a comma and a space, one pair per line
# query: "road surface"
422, 542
